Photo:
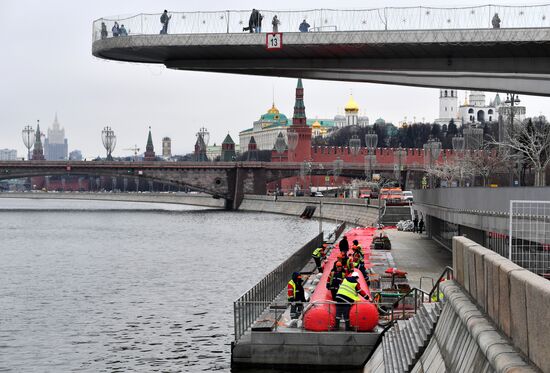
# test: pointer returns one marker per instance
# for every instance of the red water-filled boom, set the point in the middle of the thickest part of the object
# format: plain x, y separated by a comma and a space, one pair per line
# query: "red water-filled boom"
321, 313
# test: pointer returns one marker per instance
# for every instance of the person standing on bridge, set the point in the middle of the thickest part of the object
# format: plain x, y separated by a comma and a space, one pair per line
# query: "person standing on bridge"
496, 21
259, 18
252, 21
164, 19
103, 30
115, 30
304, 26
275, 23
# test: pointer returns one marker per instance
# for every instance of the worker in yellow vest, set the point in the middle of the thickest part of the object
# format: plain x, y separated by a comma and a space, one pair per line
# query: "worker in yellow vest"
348, 293
318, 255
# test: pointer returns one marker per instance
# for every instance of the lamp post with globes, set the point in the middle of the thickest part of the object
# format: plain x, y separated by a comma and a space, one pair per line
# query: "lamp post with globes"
109, 141
371, 142
28, 139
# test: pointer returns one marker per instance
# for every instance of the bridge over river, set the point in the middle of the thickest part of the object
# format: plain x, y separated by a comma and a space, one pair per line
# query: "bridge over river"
415, 46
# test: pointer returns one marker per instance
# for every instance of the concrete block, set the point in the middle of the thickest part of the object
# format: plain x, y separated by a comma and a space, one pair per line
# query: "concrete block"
505, 268
518, 329
538, 319
458, 258
492, 269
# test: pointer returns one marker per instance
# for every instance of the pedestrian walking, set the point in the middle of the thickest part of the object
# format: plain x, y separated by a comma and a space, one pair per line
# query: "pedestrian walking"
259, 18
103, 30
415, 224
348, 293
115, 30
164, 20
275, 23
304, 26
122, 31
343, 245
496, 21
296, 295
252, 21
421, 225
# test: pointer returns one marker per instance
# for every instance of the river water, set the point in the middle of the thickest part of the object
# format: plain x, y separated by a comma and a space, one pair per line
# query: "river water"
116, 287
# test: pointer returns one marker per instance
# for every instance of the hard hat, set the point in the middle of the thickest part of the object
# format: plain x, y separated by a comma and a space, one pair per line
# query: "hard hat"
355, 242
355, 274
325, 244
338, 264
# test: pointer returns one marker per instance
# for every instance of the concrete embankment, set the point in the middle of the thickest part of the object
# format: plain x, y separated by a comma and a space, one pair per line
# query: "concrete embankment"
174, 198
354, 211
349, 210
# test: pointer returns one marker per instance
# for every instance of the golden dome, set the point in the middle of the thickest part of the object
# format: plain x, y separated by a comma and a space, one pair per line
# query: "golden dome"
351, 105
316, 124
273, 110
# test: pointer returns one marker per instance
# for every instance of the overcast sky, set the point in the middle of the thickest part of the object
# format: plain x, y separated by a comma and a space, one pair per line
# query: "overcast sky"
47, 67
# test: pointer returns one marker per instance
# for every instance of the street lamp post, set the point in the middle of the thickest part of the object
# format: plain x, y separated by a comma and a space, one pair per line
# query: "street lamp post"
280, 146
371, 142
458, 146
292, 142
432, 149
399, 156
109, 141
28, 139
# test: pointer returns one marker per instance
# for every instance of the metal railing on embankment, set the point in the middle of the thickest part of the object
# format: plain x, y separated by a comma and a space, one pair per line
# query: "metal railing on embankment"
254, 302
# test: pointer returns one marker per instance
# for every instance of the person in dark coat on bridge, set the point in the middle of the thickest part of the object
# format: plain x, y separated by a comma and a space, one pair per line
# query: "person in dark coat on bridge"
164, 19
252, 21
343, 245
304, 26
496, 21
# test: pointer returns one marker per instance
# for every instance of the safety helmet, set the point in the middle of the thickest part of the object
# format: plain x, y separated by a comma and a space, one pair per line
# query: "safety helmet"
338, 264
355, 274
355, 242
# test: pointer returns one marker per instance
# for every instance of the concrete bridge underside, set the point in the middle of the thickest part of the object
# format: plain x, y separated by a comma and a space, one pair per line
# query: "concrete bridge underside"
515, 60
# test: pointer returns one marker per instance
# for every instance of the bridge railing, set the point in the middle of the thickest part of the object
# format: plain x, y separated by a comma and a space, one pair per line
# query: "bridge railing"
330, 20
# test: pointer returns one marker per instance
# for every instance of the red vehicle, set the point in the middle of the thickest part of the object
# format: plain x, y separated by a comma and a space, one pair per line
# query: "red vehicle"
392, 196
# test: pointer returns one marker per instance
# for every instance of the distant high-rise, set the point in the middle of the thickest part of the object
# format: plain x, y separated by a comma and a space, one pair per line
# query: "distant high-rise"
8, 154
166, 147
56, 146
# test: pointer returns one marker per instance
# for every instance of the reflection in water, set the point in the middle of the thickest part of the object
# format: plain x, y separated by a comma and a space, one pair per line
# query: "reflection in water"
129, 290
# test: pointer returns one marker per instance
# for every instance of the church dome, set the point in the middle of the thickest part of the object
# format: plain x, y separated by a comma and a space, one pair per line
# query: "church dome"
351, 105
273, 110
316, 124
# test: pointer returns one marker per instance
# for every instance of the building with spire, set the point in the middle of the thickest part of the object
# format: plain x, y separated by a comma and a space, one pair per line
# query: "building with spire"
228, 150
299, 126
56, 145
38, 151
252, 151
149, 148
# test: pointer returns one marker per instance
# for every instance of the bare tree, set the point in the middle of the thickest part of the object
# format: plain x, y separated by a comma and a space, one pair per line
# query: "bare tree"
530, 142
485, 162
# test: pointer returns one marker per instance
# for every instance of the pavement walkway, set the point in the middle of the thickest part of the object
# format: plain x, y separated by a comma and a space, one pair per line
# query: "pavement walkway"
419, 256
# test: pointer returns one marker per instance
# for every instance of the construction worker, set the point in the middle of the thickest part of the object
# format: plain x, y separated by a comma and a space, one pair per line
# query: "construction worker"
359, 263
357, 248
296, 295
335, 279
343, 245
318, 255
348, 293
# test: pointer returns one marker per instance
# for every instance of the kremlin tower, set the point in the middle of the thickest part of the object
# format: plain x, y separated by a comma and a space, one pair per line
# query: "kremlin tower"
38, 151
149, 149
302, 151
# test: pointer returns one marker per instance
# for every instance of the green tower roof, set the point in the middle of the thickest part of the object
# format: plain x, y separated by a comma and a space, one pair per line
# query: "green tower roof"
228, 140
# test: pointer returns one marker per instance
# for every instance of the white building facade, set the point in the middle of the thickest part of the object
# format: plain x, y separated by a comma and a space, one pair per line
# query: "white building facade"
8, 154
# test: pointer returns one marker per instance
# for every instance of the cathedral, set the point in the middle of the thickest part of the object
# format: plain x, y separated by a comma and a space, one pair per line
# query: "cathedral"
475, 108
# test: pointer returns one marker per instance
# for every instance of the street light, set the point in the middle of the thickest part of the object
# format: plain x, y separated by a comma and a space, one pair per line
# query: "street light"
203, 132
371, 142
473, 138
399, 156
280, 145
432, 149
292, 142
458, 143
355, 145
109, 141
28, 139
